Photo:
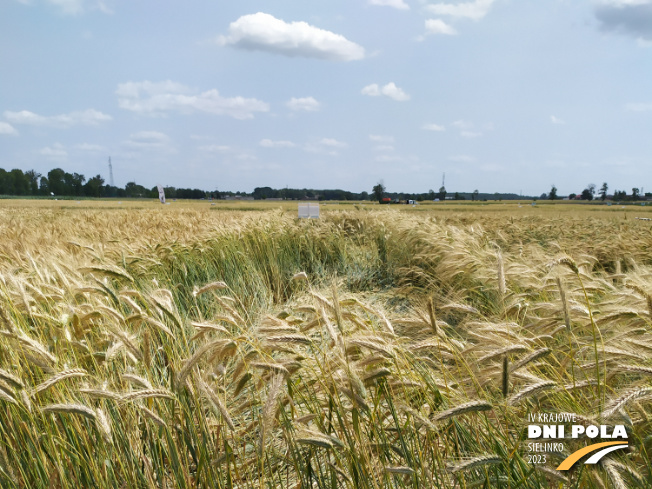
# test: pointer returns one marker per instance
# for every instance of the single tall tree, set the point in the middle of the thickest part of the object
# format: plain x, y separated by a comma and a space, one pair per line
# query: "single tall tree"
33, 178
603, 191
94, 187
55, 182
552, 195
379, 191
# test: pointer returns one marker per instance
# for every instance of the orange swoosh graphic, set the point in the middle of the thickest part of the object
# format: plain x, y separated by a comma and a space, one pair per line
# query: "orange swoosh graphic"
575, 456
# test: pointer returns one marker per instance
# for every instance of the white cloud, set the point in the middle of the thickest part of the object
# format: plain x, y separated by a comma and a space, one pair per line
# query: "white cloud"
468, 129
90, 117
268, 143
381, 139
390, 90
69, 7
7, 129
625, 3
104, 8
329, 146
91, 148
462, 124
372, 90
264, 32
471, 10
433, 127
149, 141
438, 26
332, 143
75, 7
131, 90
639, 107
229, 153
55, 152
148, 138
397, 4
215, 148
156, 98
308, 104
556, 120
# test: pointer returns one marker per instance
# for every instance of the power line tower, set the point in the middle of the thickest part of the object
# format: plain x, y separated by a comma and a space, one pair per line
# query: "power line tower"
443, 180
111, 173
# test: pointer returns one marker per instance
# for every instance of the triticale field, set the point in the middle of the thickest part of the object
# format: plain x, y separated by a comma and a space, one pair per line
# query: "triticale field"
235, 346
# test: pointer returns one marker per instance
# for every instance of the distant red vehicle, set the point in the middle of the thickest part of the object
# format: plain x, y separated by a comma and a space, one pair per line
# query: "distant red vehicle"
386, 200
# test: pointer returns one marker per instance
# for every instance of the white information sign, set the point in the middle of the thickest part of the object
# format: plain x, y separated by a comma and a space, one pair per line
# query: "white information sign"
308, 211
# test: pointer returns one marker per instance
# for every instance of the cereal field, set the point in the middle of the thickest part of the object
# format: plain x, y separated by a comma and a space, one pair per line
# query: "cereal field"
234, 346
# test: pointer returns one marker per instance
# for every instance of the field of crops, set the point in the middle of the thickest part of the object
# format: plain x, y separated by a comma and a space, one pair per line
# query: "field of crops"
234, 346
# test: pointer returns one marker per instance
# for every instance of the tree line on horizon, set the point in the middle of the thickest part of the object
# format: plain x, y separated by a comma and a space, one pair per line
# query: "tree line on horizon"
377, 193
60, 183
589, 193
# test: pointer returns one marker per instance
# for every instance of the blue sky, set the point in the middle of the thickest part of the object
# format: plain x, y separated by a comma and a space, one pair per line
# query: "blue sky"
501, 95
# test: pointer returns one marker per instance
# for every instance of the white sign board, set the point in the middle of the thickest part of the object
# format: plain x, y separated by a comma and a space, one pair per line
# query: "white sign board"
161, 194
308, 211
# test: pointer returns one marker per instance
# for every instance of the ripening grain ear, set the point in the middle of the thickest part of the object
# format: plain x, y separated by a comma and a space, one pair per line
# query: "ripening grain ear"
564, 303
432, 316
505, 376
502, 285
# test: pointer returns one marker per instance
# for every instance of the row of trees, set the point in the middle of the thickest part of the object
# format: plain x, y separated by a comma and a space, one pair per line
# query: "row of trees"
301, 194
60, 183
589, 194
57, 182
379, 192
